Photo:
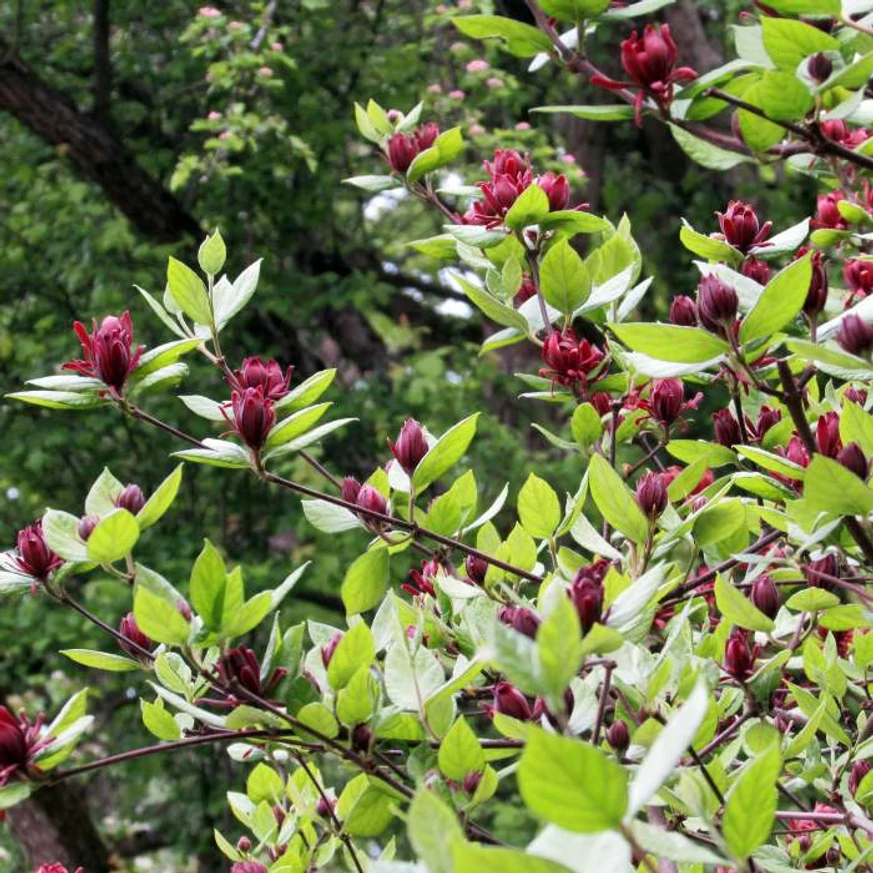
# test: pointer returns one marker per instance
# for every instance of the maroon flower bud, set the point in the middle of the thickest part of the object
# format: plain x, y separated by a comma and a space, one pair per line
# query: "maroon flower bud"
370, 500
131, 498
411, 446
527, 290
651, 494
253, 416
683, 311
859, 276
471, 782
248, 867
35, 558
767, 418
350, 489
14, 746
586, 592
856, 395
717, 304
328, 650
476, 568
244, 844
362, 736
108, 352
765, 596
184, 610
254, 373
86, 526
852, 457
828, 212
402, 150
618, 737
821, 572
425, 136
666, 400
741, 227
739, 658
855, 335
239, 668
520, 619
756, 270
557, 189
508, 700
827, 434
817, 296
819, 67
507, 162
325, 807
859, 770
569, 360
134, 639
726, 429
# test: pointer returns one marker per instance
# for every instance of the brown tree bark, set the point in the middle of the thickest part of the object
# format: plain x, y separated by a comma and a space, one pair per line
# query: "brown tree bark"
95, 152
54, 825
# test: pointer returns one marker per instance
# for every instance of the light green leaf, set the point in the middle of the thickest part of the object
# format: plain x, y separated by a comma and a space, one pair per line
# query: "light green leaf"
738, 609
615, 500
751, 805
473, 858
460, 752
159, 619
188, 292
101, 660
780, 301
212, 254
530, 206
564, 281
830, 487
356, 648
670, 342
538, 507
365, 581
612, 112
161, 500
445, 453
521, 40
433, 830
113, 538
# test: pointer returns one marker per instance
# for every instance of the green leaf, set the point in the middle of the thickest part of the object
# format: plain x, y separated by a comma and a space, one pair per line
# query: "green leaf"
445, 453
564, 281
586, 426
521, 40
705, 153
373, 184
295, 424
365, 808
101, 660
159, 619
780, 301
615, 500
159, 721
790, 42
830, 487
706, 246
356, 702
460, 752
856, 426
264, 783
355, 649
188, 292
558, 650
670, 342
212, 254
807, 7
473, 858
215, 595
60, 530
447, 146
538, 508
15, 793
365, 581
113, 538
571, 783
719, 521
530, 206
433, 830
572, 221
612, 112
58, 399
738, 609
758, 133
495, 309
782, 96
751, 805
308, 391
228, 299
161, 500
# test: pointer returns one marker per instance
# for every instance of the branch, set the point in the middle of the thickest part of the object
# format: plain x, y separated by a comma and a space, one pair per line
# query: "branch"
102, 61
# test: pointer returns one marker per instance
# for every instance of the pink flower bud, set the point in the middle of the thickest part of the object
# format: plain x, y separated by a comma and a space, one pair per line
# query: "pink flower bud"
476, 568
477, 66
325, 806
253, 416
557, 189
411, 446
244, 844
520, 619
827, 434
717, 304
739, 659
328, 650
586, 592
756, 270
131, 498
765, 595
350, 489
508, 700
402, 150
859, 276
852, 457
471, 782
726, 429
651, 494
86, 526
371, 500
859, 770
362, 736
855, 335
683, 311
817, 296
819, 67
618, 736
134, 638
248, 867
666, 400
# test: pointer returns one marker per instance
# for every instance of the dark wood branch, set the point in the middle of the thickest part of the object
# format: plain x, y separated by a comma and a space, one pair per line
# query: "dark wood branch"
94, 151
102, 62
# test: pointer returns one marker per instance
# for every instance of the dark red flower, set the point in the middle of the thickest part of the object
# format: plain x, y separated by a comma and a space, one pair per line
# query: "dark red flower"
508, 700
765, 595
852, 457
86, 526
821, 572
741, 226
650, 63
618, 736
369, 499
756, 270
683, 311
411, 446
19, 742
328, 649
35, 558
827, 434
859, 770
651, 494
569, 360
520, 619
828, 213
254, 373
817, 296
855, 335
557, 189
421, 581
767, 418
426, 134
248, 867
240, 669
717, 305
476, 568
838, 131
253, 416
131, 498
586, 592
819, 67
726, 428
134, 639
108, 351
350, 489
402, 150
498, 196
739, 656
859, 277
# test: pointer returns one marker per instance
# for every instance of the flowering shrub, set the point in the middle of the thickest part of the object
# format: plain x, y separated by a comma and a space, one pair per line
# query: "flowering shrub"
664, 661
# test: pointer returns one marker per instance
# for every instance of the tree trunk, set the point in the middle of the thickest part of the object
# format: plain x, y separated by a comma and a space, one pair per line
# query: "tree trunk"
54, 825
